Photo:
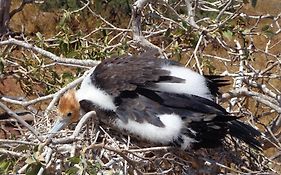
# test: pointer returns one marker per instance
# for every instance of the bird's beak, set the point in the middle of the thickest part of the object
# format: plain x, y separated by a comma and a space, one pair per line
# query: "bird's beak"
60, 124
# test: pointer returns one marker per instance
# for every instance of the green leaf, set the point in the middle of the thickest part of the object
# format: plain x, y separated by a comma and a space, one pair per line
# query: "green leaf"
246, 31
4, 166
93, 169
154, 15
33, 169
267, 31
265, 28
39, 36
22, 148
67, 76
1, 65
74, 159
30, 160
167, 33
254, 3
71, 171
184, 24
65, 18
228, 34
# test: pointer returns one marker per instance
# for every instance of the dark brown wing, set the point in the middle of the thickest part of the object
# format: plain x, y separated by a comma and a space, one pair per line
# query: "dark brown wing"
115, 75
146, 105
209, 120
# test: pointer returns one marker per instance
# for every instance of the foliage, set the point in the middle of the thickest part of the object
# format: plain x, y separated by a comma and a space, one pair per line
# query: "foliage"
60, 4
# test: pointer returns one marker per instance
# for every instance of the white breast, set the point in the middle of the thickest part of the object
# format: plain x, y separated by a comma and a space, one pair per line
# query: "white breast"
194, 83
164, 135
88, 91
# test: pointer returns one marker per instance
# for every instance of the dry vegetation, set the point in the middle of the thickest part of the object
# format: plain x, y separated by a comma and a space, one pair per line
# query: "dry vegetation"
46, 47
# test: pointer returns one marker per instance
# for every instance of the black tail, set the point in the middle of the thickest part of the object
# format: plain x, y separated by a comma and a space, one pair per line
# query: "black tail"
214, 82
245, 133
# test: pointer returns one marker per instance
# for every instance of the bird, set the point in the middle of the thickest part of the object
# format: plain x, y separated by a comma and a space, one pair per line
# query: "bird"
157, 100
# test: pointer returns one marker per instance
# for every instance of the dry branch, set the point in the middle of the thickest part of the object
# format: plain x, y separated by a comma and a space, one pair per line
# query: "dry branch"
136, 27
48, 54
20, 120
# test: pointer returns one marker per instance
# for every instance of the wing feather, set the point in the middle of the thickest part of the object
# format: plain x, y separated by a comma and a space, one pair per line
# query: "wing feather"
147, 105
115, 75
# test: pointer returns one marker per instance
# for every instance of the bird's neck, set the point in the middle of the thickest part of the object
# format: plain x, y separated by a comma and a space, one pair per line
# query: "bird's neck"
96, 96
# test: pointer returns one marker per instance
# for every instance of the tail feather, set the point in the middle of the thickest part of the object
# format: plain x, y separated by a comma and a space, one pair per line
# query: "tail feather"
245, 133
214, 82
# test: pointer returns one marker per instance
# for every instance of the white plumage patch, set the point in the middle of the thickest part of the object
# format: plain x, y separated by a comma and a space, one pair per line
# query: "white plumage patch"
194, 83
187, 141
173, 125
88, 91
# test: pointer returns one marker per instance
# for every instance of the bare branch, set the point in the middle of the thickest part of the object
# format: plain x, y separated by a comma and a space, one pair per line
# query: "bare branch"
223, 10
191, 14
136, 27
6, 141
49, 55
256, 96
27, 103
12, 153
4, 15
19, 119
23, 3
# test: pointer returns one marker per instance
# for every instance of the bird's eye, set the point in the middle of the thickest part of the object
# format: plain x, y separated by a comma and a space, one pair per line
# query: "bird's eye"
69, 114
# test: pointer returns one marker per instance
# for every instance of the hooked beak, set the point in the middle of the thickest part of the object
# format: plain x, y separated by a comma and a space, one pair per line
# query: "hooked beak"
60, 124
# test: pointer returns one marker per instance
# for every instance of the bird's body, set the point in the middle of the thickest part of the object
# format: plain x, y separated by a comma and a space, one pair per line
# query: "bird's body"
158, 100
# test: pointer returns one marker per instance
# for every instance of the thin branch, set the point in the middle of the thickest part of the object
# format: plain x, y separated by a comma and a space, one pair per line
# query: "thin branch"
83, 121
191, 14
74, 135
12, 153
48, 54
27, 103
6, 141
195, 54
223, 10
23, 3
19, 119
5, 6
136, 27
256, 96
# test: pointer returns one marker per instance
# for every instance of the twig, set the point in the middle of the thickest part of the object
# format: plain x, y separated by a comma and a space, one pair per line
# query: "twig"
116, 150
27, 103
195, 54
82, 122
151, 149
223, 10
48, 153
74, 135
23, 3
19, 119
6, 141
191, 14
12, 153
261, 87
136, 27
258, 97
238, 81
48, 54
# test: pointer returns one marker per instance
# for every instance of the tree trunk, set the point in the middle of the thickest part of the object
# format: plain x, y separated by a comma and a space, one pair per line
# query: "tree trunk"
4, 15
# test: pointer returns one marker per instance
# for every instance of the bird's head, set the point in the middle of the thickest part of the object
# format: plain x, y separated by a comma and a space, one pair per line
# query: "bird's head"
68, 111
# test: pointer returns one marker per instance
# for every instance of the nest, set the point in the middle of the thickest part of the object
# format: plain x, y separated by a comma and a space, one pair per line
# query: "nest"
98, 149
